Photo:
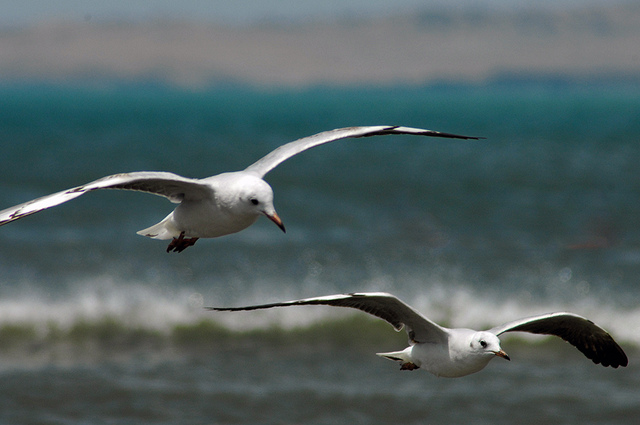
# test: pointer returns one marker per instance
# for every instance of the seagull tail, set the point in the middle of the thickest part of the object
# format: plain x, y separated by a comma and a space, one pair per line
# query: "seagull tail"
163, 230
404, 357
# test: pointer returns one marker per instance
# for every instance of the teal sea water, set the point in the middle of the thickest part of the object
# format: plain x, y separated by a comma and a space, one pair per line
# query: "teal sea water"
99, 325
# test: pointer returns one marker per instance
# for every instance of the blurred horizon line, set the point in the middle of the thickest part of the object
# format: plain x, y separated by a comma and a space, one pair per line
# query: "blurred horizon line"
586, 43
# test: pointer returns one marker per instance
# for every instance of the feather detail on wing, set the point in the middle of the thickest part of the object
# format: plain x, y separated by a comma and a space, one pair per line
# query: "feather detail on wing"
379, 304
171, 186
593, 341
284, 152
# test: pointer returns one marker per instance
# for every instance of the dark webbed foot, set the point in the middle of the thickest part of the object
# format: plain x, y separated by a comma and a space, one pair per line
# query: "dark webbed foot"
181, 243
409, 366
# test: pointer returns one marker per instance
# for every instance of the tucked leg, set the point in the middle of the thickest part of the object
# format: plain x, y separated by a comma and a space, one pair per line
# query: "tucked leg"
181, 243
409, 366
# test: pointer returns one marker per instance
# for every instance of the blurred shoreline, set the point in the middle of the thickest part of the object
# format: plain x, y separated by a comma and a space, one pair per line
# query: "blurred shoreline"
434, 45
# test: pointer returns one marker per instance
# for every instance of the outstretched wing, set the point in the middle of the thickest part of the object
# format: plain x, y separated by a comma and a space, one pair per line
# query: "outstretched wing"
284, 152
593, 341
171, 186
379, 304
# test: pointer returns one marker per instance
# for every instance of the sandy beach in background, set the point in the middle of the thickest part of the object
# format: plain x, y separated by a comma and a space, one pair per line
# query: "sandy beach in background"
427, 46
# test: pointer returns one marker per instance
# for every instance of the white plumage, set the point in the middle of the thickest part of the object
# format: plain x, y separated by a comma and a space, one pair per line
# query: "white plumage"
214, 206
458, 352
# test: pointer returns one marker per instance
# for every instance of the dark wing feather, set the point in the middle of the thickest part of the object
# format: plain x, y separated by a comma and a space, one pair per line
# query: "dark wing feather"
593, 341
382, 305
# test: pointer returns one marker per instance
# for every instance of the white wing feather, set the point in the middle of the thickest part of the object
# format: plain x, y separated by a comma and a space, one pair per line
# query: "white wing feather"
171, 186
284, 152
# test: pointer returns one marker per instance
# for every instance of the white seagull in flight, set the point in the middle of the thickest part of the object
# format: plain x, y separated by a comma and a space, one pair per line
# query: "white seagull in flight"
458, 352
214, 206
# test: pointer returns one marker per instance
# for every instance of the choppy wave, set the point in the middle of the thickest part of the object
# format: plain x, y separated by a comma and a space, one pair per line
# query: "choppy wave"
129, 315
539, 217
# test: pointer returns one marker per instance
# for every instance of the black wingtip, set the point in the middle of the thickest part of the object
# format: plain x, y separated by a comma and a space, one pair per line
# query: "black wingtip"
458, 136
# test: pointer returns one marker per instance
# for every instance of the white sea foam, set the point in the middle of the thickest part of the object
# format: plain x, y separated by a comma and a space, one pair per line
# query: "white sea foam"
135, 305
131, 304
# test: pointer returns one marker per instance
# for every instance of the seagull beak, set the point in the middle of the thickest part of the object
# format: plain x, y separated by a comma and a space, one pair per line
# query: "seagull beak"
502, 354
276, 219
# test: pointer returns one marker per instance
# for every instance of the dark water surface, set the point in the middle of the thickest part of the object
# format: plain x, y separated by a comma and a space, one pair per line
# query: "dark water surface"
99, 325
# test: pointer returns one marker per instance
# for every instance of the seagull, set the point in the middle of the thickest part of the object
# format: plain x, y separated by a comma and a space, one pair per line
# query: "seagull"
459, 352
214, 206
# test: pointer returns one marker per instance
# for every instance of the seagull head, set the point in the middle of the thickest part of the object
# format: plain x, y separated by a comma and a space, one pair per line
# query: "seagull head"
486, 343
256, 197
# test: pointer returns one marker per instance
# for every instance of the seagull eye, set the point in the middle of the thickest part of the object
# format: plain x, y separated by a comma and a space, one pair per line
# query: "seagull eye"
483, 343
254, 201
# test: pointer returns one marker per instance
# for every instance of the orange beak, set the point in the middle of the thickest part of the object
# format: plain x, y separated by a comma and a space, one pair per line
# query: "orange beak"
276, 219
502, 354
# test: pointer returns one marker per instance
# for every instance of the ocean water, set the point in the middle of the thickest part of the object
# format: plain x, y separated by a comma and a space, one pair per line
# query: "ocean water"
99, 325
